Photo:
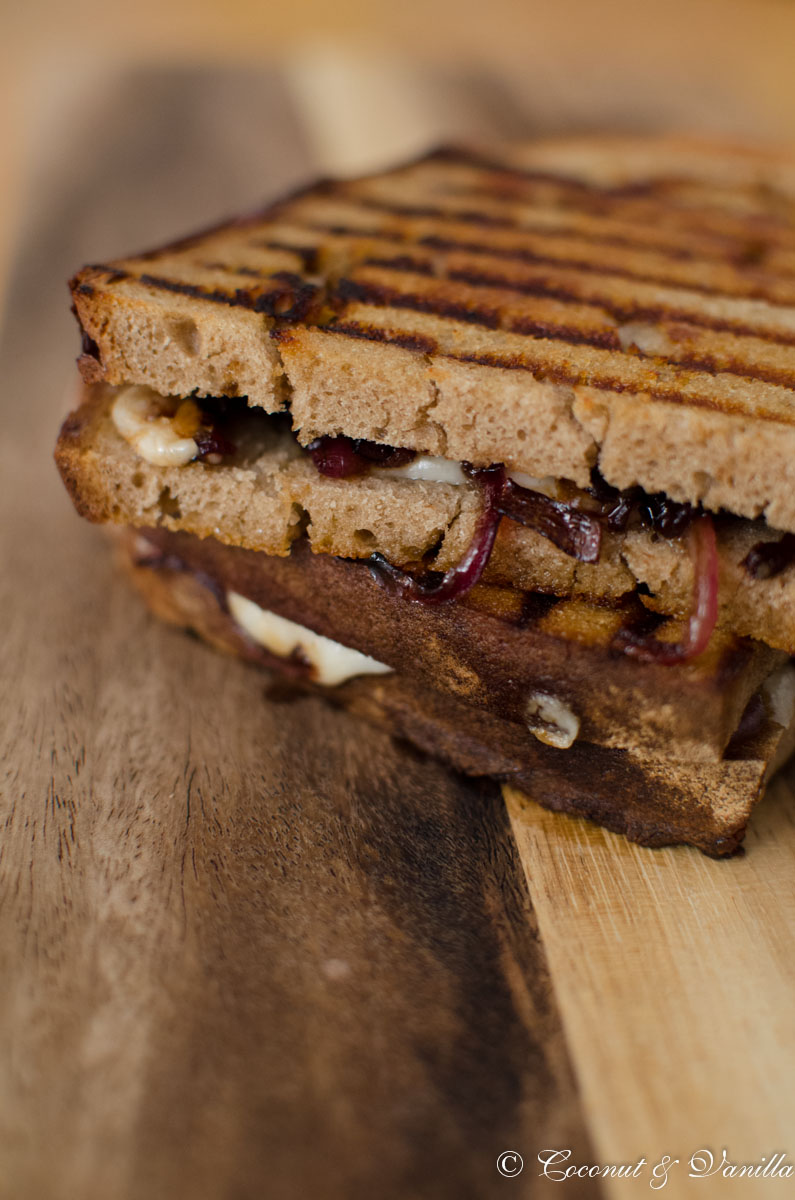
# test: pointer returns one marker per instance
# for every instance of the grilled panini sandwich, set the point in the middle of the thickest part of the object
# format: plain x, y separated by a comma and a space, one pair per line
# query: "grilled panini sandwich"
497, 448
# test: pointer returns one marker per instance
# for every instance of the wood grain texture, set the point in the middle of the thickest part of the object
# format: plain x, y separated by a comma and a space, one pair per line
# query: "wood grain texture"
246, 949
676, 978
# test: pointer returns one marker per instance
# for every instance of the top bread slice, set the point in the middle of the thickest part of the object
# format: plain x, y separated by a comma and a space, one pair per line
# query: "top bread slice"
557, 305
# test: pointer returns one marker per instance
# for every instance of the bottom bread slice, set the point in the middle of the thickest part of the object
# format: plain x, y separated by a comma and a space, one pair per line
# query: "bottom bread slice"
653, 801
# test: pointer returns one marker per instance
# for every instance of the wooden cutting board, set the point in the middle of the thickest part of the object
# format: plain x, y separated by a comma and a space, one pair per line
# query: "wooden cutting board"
250, 949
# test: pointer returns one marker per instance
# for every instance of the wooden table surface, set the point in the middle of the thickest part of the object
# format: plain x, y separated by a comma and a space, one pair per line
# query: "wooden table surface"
246, 949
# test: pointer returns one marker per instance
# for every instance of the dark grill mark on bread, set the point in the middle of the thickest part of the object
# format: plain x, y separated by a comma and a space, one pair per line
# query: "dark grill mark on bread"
371, 293
710, 365
307, 254
402, 262
290, 300
748, 290
373, 333
510, 261
489, 318
113, 274
551, 372
626, 311
539, 229
661, 189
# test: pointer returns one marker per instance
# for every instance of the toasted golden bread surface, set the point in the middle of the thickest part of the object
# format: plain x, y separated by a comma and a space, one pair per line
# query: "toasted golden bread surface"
552, 305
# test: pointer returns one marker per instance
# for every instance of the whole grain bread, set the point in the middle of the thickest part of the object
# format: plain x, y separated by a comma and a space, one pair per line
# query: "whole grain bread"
495, 650
654, 801
551, 305
271, 494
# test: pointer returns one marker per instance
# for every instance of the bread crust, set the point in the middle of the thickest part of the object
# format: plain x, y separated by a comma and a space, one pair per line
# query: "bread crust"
548, 305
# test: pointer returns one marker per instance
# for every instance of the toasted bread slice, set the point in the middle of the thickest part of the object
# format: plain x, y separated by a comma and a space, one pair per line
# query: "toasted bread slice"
498, 648
271, 493
550, 306
653, 800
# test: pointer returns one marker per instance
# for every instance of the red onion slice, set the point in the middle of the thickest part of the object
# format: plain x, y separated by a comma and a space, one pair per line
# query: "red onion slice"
576, 533
460, 578
704, 610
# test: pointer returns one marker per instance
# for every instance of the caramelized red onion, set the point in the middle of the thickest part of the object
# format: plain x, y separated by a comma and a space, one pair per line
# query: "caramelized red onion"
766, 559
703, 611
669, 518
576, 533
459, 579
339, 457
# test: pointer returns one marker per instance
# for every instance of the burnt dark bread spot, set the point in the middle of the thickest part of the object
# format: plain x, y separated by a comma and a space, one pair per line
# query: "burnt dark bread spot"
196, 291
291, 301
89, 361
605, 785
604, 339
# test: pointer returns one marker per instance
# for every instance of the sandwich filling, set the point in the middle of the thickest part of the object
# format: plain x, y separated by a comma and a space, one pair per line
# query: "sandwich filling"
171, 432
330, 661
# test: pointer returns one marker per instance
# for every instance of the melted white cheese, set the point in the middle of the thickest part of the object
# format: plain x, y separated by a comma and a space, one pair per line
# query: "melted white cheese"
153, 437
333, 663
428, 468
548, 486
551, 720
432, 469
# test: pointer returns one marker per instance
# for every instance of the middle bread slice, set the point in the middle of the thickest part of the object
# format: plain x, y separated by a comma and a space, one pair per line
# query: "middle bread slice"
266, 492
